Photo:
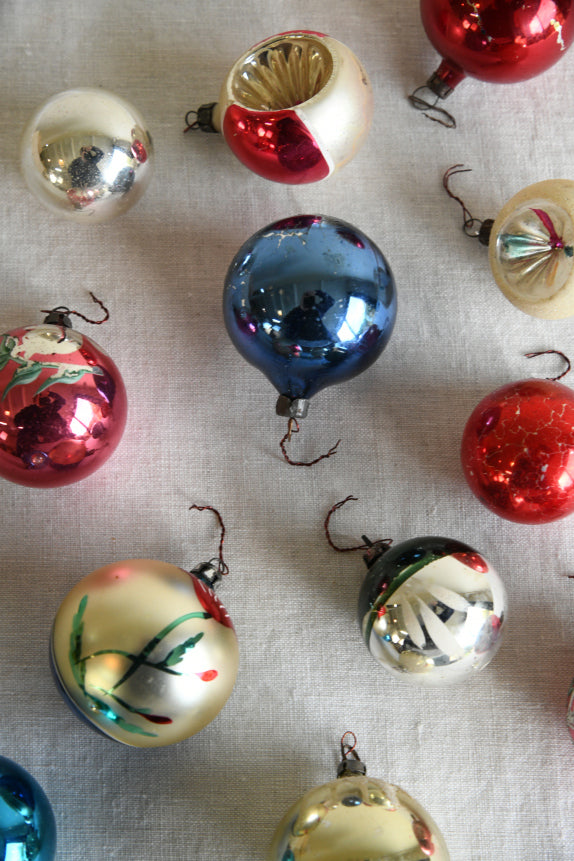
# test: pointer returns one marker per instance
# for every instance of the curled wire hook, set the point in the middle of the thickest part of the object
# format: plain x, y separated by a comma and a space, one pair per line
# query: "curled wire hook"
429, 108
373, 546
347, 748
190, 125
222, 566
65, 311
556, 353
293, 427
473, 227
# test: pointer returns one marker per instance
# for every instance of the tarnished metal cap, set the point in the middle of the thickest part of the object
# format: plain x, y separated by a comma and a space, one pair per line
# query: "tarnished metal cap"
292, 408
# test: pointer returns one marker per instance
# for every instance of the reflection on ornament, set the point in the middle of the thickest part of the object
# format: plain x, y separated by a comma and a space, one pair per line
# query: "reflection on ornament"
518, 451
86, 154
531, 246
311, 302
355, 816
27, 825
294, 108
431, 610
63, 404
494, 40
144, 651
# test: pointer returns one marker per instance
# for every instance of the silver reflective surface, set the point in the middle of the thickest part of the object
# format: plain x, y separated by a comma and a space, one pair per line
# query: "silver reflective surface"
86, 154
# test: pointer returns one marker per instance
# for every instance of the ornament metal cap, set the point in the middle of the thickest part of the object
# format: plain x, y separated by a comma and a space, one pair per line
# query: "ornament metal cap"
350, 767
292, 408
59, 317
209, 572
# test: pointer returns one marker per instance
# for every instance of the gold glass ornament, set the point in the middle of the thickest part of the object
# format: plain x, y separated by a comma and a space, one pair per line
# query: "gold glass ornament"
357, 818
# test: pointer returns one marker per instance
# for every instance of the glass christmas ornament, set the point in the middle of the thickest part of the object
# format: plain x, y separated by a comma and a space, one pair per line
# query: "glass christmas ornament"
145, 651
63, 404
294, 108
310, 301
356, 817
517, 451
27, 824
530, 246
499, 41
86, 154
431, 610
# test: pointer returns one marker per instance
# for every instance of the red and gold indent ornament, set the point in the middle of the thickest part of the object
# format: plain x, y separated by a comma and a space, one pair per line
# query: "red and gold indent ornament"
295, 107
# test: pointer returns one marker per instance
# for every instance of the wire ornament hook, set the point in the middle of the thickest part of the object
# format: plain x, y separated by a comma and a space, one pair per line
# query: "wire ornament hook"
222, 567
444, 118
292, 428
473, 227
556, 353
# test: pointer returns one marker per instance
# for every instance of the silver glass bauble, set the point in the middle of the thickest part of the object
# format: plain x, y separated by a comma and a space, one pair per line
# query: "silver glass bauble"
86, 154
431, 610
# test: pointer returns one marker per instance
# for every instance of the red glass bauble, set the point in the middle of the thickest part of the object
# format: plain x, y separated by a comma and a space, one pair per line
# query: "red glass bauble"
518, 451
63, 406
501, 41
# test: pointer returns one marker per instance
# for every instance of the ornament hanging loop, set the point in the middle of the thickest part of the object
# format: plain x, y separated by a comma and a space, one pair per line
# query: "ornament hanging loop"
213, 571
61, 314
293, 427
431, 110
473, 227
374, 549
556, 353
203, 121
349, 767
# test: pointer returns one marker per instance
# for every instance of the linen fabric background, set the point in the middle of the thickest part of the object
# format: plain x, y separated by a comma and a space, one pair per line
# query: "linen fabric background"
491, 760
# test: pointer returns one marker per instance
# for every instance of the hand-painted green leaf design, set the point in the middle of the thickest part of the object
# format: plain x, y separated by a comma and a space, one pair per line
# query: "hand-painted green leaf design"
69, 377
24, 375
78, 666
7, 344
176, 655
112, 715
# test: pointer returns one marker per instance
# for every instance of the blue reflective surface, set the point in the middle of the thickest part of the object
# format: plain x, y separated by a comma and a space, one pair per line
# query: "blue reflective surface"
27, 826
310, 301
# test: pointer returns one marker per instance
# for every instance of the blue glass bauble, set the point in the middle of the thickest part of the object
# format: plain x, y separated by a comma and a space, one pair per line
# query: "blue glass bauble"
310, 301
27, 826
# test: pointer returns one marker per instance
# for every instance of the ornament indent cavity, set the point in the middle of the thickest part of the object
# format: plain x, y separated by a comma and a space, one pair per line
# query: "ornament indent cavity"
432, 611
354, 818
296, 107
517, 451
27, 824
145, 652
63, 406
531, 249
87, 155
310, 301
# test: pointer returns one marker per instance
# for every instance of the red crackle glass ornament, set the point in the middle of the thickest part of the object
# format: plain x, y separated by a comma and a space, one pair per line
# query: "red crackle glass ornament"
517, 451
63, 404
499, 41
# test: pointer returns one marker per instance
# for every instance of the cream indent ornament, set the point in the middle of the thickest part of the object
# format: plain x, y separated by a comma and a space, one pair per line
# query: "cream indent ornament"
294, 108
356, 817
144, 651
531, 246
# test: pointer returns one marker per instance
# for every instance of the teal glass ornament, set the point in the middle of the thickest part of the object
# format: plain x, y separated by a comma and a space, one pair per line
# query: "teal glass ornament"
27, 825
